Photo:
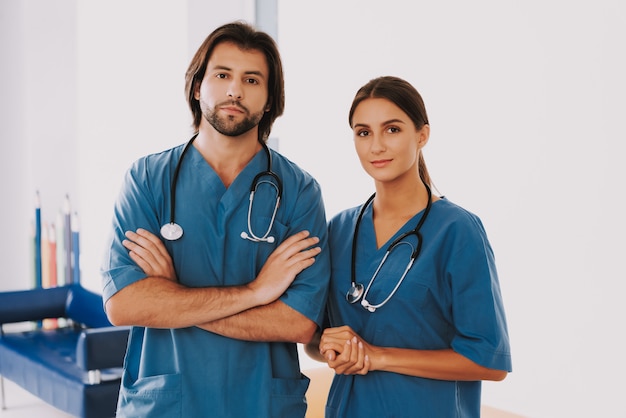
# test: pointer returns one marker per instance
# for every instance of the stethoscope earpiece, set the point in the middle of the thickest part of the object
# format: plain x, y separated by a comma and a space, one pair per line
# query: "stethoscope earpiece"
245, 235
367, 306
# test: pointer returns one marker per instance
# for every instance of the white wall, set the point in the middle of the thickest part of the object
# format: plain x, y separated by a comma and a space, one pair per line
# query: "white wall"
525, 101
87, 87
37, 129
526, 104
132, 87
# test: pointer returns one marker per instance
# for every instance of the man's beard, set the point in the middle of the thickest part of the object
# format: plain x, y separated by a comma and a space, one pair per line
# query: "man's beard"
226, 126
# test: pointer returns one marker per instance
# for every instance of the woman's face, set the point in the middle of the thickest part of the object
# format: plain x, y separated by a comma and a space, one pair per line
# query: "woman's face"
387, 141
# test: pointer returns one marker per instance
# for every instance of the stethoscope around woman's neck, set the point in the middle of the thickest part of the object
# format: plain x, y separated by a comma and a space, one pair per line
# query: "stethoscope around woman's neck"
357, 291
172, 231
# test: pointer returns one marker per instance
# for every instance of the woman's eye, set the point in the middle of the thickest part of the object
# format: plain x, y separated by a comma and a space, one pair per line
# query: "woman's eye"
393, 130
362, 133
252, 81
220, 75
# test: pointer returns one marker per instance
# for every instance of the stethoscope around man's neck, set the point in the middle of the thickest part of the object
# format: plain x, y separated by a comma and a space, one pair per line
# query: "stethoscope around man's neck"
172, 231
357, 291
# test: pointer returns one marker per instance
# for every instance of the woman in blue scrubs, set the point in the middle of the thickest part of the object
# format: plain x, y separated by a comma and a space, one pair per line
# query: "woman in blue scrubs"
414, 345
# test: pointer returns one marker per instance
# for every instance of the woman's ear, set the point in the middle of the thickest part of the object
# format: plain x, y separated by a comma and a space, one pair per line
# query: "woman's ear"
423, 134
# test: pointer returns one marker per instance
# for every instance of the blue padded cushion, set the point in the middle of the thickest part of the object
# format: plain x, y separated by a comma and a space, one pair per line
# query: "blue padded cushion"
71, 301
46, 362
101, 348
32, 305
43, 362
86, 307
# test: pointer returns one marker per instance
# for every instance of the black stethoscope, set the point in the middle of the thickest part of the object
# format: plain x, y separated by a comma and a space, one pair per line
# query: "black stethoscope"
357, 291
172, 231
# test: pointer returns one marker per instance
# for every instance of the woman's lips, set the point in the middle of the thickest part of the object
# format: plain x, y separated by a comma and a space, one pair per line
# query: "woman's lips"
380, 163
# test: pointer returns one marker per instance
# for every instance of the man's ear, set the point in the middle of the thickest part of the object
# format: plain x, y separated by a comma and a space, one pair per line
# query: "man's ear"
196, 91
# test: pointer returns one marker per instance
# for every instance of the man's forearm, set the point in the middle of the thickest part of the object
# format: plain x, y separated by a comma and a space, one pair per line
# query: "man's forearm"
273, 322
161, 303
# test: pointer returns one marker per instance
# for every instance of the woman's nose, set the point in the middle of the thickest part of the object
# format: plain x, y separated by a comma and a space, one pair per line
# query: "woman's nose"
377, 145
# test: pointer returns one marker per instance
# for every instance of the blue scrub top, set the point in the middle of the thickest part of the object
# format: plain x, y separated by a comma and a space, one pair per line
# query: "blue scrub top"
190, 372
449, 299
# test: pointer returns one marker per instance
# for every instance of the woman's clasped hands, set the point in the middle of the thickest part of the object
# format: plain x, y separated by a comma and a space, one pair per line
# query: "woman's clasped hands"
345, 351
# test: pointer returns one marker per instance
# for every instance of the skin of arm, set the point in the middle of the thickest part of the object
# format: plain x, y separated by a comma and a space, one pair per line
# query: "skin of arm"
347, 353
312, 348
150, 302
273, 322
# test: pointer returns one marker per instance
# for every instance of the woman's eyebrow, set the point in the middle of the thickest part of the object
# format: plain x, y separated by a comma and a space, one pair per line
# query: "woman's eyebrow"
387, 122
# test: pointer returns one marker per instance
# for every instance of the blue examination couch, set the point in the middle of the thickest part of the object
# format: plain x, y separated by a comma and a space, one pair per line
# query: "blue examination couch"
75, 368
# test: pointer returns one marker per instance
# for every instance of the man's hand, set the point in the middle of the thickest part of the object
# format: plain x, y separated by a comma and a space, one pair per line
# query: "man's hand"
149, 252
288, 259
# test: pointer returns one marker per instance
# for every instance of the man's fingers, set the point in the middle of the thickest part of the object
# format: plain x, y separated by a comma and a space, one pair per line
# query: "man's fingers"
295, 244
146, 244
307, 256
149, 241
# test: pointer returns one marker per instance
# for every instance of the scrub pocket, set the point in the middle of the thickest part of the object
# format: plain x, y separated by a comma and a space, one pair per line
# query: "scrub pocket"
153, 396
288, 397
341, 385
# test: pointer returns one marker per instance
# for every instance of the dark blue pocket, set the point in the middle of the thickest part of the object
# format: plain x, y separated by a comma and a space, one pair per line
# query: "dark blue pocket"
153, 396
288, 397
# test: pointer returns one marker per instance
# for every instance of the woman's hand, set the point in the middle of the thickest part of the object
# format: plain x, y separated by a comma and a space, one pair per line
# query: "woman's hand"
345, 351
147, 250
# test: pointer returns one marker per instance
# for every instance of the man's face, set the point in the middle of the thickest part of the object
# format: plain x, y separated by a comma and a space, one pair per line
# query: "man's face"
233, 94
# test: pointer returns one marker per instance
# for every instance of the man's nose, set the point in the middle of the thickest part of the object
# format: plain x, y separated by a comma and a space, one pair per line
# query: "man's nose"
235, 91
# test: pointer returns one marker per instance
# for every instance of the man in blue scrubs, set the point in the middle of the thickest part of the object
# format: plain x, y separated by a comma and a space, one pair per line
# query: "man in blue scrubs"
216, 313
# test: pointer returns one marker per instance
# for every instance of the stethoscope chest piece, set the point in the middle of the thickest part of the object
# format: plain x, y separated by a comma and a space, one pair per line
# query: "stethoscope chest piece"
355, 293
171, 231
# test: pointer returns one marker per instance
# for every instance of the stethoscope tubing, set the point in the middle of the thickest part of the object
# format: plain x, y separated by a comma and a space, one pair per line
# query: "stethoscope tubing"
172, 231
357, 291
175, 179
